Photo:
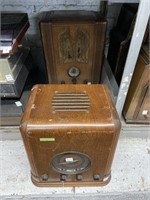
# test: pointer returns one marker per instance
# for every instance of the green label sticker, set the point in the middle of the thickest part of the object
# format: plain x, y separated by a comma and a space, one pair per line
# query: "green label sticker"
47, 139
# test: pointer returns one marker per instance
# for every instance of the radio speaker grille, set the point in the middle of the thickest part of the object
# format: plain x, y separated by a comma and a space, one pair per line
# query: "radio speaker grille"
70, 101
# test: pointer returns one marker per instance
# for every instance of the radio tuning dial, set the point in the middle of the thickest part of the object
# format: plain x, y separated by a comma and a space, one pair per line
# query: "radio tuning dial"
73, 72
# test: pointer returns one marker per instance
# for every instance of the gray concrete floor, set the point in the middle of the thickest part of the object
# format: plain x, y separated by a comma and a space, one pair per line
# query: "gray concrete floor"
130, 175
123, 196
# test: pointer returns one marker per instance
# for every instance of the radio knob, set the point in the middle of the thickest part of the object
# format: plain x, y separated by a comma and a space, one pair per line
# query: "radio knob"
63, 177
96, 177
44, 177
79, 177
85, 81
74, 80
62, 82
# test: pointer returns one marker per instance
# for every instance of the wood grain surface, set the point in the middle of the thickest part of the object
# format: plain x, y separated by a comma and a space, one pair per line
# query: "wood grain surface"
87, 124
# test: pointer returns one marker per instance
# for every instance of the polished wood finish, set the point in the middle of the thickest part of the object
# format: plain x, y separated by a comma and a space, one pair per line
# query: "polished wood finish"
78, 119
137, 105
73, 40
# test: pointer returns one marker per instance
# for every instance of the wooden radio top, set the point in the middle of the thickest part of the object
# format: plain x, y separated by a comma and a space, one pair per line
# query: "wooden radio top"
62, 106
71, 16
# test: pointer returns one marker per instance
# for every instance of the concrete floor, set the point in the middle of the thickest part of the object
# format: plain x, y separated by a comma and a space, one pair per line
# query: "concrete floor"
123, 196
130, 175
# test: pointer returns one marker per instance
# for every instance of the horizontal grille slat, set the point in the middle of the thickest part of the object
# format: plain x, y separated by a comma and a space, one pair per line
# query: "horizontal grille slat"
70, 101
73, 106
70, 93
71, 110
70, 97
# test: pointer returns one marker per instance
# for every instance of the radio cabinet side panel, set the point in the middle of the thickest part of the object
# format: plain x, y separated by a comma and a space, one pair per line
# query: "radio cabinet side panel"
24, 128
100, 34
116, 130
47, 40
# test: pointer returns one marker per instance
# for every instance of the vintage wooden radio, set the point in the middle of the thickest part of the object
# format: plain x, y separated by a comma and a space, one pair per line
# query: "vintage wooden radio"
70, 134
73, 43
137, 104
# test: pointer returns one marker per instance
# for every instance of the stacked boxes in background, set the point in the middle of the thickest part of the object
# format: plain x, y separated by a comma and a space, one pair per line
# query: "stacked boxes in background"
15, 67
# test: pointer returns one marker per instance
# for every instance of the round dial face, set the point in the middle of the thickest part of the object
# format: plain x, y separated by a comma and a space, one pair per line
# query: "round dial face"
74, 72
71, 162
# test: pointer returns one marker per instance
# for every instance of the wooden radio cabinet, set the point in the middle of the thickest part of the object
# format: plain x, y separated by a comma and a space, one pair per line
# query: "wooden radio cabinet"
73, 44
70, 132
137, 105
